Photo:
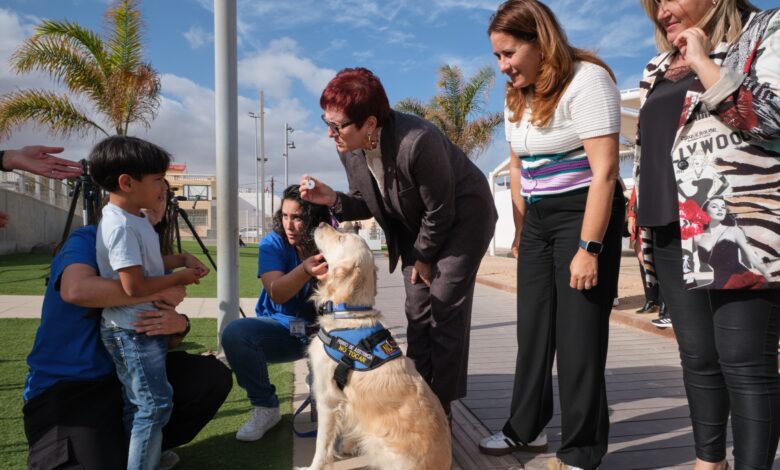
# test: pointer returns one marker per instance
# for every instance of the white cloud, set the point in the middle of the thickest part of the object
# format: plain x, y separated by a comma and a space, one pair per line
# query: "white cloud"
278, 66
197, 37
363, 56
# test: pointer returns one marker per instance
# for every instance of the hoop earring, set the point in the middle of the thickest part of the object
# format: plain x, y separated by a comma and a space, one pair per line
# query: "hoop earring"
371, 142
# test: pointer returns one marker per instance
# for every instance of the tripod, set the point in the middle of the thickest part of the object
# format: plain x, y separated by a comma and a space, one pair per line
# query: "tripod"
179, 212
90, 201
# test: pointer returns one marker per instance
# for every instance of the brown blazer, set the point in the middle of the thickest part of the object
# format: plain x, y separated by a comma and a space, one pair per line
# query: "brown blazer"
431, 190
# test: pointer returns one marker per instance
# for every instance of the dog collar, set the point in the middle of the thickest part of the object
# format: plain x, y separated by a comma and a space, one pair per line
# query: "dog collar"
342, 310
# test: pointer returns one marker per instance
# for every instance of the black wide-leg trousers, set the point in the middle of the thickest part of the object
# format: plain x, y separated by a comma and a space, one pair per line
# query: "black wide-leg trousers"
555, 318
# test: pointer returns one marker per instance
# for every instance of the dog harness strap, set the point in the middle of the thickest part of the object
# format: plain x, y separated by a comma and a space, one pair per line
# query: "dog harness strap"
341, 374
359, 349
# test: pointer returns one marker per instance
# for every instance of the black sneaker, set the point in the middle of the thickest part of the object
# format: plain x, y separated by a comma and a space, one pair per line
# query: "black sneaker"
662, 322
648, 307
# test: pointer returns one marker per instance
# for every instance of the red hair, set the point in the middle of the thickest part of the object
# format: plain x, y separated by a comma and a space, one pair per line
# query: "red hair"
358, 94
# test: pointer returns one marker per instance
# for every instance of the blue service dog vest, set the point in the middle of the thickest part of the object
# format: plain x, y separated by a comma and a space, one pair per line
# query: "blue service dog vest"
359, 349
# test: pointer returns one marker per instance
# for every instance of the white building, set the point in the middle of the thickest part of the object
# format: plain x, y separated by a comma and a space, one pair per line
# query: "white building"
499, 177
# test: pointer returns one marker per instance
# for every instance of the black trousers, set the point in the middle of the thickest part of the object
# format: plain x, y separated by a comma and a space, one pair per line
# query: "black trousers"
728, 347
552, 317
439, 317
79, 424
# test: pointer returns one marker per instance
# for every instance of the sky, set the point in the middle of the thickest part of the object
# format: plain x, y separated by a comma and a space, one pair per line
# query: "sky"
291, 49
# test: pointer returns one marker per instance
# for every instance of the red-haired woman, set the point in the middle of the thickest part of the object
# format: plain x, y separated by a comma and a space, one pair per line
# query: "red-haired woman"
562, 121
434, 206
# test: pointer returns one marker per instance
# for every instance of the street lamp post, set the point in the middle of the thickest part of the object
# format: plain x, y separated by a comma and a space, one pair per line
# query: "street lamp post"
260, 183
288, 144
261, 227
255, 117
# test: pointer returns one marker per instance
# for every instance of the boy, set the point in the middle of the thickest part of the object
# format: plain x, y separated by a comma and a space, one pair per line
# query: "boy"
132, 171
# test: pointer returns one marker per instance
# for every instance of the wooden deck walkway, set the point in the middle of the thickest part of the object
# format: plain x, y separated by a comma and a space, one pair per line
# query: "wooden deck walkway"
648, 410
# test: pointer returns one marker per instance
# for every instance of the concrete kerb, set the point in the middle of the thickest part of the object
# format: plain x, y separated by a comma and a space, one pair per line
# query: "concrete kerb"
500, 272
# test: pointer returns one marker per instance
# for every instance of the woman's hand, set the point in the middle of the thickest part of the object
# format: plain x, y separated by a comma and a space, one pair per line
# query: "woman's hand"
423, 271
190, 261
584, 270
321, 194
516, 246
160, 322
316, 266
694, 47
631, 226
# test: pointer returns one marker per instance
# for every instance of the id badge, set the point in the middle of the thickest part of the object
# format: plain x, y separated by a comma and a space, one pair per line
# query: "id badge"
297, 328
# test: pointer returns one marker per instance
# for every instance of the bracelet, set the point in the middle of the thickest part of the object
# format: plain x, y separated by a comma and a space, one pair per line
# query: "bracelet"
2, 154
336, 207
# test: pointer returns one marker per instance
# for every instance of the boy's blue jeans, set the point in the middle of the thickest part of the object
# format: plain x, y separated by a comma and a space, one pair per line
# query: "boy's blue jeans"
140, 366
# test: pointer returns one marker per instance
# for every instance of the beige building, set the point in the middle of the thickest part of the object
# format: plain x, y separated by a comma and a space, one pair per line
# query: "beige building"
200, 192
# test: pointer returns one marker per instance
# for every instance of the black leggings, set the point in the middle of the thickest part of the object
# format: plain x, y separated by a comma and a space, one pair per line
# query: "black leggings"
79, 424
728, 346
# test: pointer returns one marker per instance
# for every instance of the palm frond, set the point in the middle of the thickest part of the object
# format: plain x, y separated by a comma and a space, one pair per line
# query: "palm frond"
476, 90
449, 101
62, 61
142, 95
78, 37
480, 133
43, 108
412, 106
125, 45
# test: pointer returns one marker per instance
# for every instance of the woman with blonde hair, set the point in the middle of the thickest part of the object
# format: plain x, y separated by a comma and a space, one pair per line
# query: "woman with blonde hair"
707, 146
562, 117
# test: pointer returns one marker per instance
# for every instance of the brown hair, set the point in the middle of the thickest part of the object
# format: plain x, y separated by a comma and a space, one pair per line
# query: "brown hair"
533, 21
722, 23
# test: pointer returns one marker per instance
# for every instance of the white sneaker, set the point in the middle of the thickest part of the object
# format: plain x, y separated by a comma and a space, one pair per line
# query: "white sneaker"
500, 444
261, 420
168, 460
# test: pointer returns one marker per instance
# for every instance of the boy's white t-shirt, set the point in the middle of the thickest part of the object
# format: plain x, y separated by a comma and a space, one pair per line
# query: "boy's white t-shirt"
125, 240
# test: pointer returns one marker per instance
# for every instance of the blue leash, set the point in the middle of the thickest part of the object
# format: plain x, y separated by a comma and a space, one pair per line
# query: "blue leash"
308, 401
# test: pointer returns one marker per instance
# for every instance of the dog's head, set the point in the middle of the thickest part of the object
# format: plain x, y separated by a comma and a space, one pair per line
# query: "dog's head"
351, 269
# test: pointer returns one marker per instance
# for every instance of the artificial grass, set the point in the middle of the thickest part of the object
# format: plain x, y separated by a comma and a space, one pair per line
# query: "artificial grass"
214, 447
25, 274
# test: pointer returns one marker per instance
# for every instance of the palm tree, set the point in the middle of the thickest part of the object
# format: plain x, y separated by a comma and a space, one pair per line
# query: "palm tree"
108, 72
458, 109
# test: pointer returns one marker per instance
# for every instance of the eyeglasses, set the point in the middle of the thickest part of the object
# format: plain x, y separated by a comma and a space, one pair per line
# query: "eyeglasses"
336, 128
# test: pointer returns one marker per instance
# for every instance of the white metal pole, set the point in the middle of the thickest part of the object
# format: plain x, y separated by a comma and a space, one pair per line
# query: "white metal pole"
257, 182
226, 138
286, 156
262, 166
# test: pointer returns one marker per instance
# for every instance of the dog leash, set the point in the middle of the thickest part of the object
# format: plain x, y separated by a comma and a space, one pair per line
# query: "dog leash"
308, 401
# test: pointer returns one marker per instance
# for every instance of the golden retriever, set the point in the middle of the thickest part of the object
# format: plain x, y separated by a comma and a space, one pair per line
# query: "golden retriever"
389, 414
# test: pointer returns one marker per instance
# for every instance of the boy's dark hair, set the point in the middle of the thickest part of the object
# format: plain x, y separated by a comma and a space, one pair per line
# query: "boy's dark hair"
120, 154
311, 214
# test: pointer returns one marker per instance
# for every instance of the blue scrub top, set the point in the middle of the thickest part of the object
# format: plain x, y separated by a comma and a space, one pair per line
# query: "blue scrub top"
275, 254
67, 345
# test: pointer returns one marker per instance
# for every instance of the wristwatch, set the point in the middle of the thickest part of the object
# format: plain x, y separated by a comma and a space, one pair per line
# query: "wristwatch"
591, 246
186, 330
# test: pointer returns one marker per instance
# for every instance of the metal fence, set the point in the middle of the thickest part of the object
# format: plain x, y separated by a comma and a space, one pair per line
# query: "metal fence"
49, 190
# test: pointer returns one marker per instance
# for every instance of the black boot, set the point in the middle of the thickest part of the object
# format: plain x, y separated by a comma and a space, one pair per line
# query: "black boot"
649, 307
